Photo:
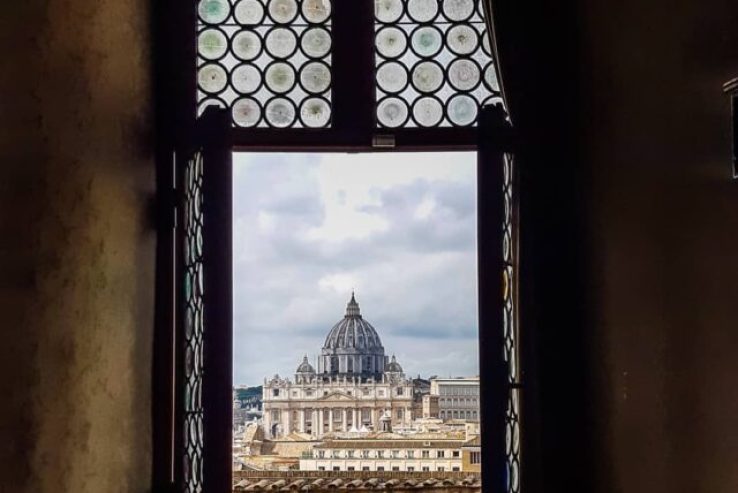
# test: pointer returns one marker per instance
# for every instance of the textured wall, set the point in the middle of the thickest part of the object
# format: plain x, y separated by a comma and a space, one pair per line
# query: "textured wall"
664, 223
76, 251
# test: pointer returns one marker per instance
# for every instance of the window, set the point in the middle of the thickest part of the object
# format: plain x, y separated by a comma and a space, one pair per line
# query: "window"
350, 454
425, 468
440, 469
395, 454
475, 457
350, 468
336, 468
410, 469
455, 469
365, 454
380, 468
321, 468
395, 468
410, 454
399, 390
321, 454
364, 468
301, 92
440, 454
425, 454
455, 453
380, 454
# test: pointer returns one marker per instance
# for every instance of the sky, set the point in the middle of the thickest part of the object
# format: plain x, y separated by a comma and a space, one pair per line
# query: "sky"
397, 228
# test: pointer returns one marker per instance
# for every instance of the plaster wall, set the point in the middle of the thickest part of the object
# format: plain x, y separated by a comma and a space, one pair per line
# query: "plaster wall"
76, 248
663, 220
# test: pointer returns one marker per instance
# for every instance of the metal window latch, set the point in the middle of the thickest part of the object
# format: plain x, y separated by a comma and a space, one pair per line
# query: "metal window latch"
731, 89
386, 141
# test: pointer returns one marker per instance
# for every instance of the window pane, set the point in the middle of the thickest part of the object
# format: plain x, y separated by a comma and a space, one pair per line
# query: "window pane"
267, 60
434, 64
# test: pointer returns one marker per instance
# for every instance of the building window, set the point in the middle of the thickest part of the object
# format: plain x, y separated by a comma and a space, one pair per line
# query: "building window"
475, 458
399, 414
321, 468
395, 468
455, 469
364, 468
425, 454
400, 390
275, 392
321, 454
455, 453
365, 454
440, 469
410, 454
440, 454
350, 454
365, 391
350, 468
336, 468
380, 454
410, 469
380, 468
425, 468
395, 454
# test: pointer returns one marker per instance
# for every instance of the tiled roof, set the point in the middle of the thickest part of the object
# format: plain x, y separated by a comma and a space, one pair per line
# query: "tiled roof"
469, 483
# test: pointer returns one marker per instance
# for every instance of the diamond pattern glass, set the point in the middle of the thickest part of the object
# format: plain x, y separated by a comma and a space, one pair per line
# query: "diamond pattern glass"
269, 61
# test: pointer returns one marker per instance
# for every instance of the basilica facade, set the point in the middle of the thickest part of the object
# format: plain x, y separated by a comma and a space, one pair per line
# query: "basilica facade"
356, 387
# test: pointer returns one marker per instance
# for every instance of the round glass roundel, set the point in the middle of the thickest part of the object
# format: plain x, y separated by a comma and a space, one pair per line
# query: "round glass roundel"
212, 44
246, 112
392, 112
392, 77
316, 11
422, 10
213, 11
462, 39
315, 112
246, 78
280, 112
315, 77
388, 11
315, 42
249, 12
458, 10
281, 42
282, 11
246, 45
485, 44
427, 77
212, 78
464, 74
490, 77
462, 110
391, 42
280, 77
427, 111
426, 41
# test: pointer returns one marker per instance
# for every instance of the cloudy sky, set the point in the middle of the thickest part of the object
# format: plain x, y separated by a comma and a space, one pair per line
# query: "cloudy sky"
398, 228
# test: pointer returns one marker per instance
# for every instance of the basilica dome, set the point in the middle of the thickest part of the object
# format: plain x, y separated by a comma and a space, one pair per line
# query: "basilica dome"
353, 332
352, 347
305, 366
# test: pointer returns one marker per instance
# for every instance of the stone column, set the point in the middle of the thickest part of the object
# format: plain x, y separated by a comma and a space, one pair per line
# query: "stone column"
314, 423
286, 421
330, 419
320, 423
343, 420
354, 421
302, 421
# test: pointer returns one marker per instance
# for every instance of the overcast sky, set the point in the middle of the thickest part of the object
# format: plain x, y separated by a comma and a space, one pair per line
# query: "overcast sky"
398, 228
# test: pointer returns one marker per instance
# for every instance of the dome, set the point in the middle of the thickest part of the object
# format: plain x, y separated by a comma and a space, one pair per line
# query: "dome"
305, 367
393, 366
353, 332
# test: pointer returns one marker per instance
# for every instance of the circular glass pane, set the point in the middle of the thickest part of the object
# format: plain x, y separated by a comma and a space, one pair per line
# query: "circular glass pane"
246, 79
464, 74
246, 45
212, 44
212, 78
315, 77
316, 11
426, 41
392, 112
281, 42
213, 11
249, 12
422, 10
315, 42
391, 42
427, 77
490, 78
280, 112
392, 77
462, 109
315, 112
458, 10
462, 39
280, 77
388, 10
246, 112
427, 111
282, 11
485, 43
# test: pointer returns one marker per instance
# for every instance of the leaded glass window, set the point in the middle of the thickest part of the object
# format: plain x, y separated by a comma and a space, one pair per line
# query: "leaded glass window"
434, 64
269, 61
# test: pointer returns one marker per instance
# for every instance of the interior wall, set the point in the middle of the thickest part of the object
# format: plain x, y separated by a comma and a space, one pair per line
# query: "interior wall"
76, 247
662, 222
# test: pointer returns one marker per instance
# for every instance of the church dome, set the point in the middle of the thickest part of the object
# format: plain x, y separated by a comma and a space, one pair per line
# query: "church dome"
353, 332
393, 366
305, 366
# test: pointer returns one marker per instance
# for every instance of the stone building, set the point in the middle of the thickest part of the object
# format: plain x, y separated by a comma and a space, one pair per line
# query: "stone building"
355, 385
453, 398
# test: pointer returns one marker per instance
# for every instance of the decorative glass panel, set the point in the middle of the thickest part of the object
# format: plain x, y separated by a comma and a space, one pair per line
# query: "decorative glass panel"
434, 64
267, 60
511, 345
193, 327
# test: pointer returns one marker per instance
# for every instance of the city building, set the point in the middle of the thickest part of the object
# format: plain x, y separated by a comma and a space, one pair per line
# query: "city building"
458, 398
354, 386
386, 452
471, 455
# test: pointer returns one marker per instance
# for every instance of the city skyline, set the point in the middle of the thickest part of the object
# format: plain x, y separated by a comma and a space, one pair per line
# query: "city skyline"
399, 229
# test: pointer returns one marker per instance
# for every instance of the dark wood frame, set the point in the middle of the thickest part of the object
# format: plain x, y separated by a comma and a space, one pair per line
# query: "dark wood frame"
175, 40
